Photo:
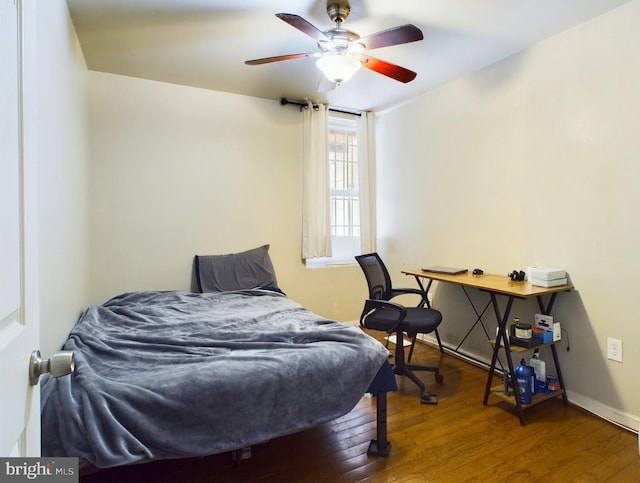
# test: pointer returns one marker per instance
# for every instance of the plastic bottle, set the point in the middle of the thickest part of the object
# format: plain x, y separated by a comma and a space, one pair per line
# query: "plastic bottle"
525, 381
512, 327
540, 367
505, 381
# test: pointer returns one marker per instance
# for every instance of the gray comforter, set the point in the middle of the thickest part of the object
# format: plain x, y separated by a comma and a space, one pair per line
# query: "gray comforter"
178, 374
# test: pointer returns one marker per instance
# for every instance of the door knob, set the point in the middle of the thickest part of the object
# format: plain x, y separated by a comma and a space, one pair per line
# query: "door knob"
61, 364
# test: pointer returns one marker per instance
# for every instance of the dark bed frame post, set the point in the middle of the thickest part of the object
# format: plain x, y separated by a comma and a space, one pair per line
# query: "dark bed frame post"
380, 446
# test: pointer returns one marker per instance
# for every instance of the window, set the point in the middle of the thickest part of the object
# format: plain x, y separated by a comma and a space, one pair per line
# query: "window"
344, 191
343, 179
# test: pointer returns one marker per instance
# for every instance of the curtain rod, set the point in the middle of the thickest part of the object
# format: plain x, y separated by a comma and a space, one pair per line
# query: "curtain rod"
305, 105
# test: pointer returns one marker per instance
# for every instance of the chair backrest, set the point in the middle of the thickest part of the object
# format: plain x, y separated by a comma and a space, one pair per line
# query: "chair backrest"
377, 276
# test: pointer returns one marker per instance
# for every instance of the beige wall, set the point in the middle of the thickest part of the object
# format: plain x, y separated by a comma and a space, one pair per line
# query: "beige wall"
63, 175
532, 161
178, 171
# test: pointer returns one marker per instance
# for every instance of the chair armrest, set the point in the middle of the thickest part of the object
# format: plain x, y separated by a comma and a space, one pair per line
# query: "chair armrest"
371, 305
395, 292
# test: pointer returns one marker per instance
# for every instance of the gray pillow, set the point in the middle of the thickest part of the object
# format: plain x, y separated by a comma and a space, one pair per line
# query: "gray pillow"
235, 271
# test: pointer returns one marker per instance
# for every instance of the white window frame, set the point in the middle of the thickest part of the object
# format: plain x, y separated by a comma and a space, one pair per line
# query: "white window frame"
343, 247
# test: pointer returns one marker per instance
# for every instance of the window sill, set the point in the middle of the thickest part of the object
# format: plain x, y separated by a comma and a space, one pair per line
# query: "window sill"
328, 263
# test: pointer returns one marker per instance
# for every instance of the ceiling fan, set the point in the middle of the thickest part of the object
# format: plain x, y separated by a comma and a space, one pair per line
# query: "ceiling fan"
342, 52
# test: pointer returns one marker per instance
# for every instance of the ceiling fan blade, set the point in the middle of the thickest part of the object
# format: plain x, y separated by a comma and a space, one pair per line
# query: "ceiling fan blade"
304, 26
277, 58
393, 36
386, 68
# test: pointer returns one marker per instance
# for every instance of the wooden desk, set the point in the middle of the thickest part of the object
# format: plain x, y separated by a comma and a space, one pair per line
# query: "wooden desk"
496, 285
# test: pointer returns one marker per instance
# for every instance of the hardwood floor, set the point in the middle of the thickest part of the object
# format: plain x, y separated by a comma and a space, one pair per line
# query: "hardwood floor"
456, 441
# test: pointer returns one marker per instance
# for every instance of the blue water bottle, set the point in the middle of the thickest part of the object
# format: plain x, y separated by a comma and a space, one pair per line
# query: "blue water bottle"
525, 381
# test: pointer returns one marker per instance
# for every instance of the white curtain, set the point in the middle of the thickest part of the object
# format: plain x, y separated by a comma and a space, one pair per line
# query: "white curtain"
366, 162
316, 213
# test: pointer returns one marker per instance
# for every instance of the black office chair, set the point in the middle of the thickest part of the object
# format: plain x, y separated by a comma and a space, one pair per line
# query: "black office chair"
381, 314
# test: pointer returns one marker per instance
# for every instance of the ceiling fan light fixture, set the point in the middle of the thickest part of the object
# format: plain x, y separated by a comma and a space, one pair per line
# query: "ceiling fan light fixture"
338, 67
342, 52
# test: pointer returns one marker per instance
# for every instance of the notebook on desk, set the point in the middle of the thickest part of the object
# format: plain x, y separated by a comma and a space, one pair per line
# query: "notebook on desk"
447, 270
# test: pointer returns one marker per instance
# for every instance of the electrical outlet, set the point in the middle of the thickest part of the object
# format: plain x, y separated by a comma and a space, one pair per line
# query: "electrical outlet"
614, 349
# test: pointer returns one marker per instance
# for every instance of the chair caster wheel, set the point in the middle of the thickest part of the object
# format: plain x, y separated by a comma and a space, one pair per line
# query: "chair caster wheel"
426, 398
439, 378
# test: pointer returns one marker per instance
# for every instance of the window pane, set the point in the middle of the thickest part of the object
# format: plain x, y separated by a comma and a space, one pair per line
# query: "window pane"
343, 177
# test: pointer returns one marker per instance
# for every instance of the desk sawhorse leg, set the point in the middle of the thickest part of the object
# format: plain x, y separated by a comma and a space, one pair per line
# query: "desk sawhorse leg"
478, 319
479, 315
502, 338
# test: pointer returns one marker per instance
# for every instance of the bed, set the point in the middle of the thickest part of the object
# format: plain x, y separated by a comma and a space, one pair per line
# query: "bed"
175, 374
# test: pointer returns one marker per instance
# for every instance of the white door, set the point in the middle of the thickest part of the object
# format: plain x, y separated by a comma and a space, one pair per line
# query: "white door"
19, 401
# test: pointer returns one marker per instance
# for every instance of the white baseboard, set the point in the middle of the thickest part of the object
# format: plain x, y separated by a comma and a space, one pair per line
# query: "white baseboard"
630, 422
623, 419
392, 339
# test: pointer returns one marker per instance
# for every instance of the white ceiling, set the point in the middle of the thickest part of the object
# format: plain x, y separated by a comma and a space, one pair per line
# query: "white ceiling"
204, 43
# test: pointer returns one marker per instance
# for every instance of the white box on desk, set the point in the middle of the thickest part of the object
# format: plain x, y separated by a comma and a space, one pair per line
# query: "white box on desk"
540, 273
545, 322
548, 283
